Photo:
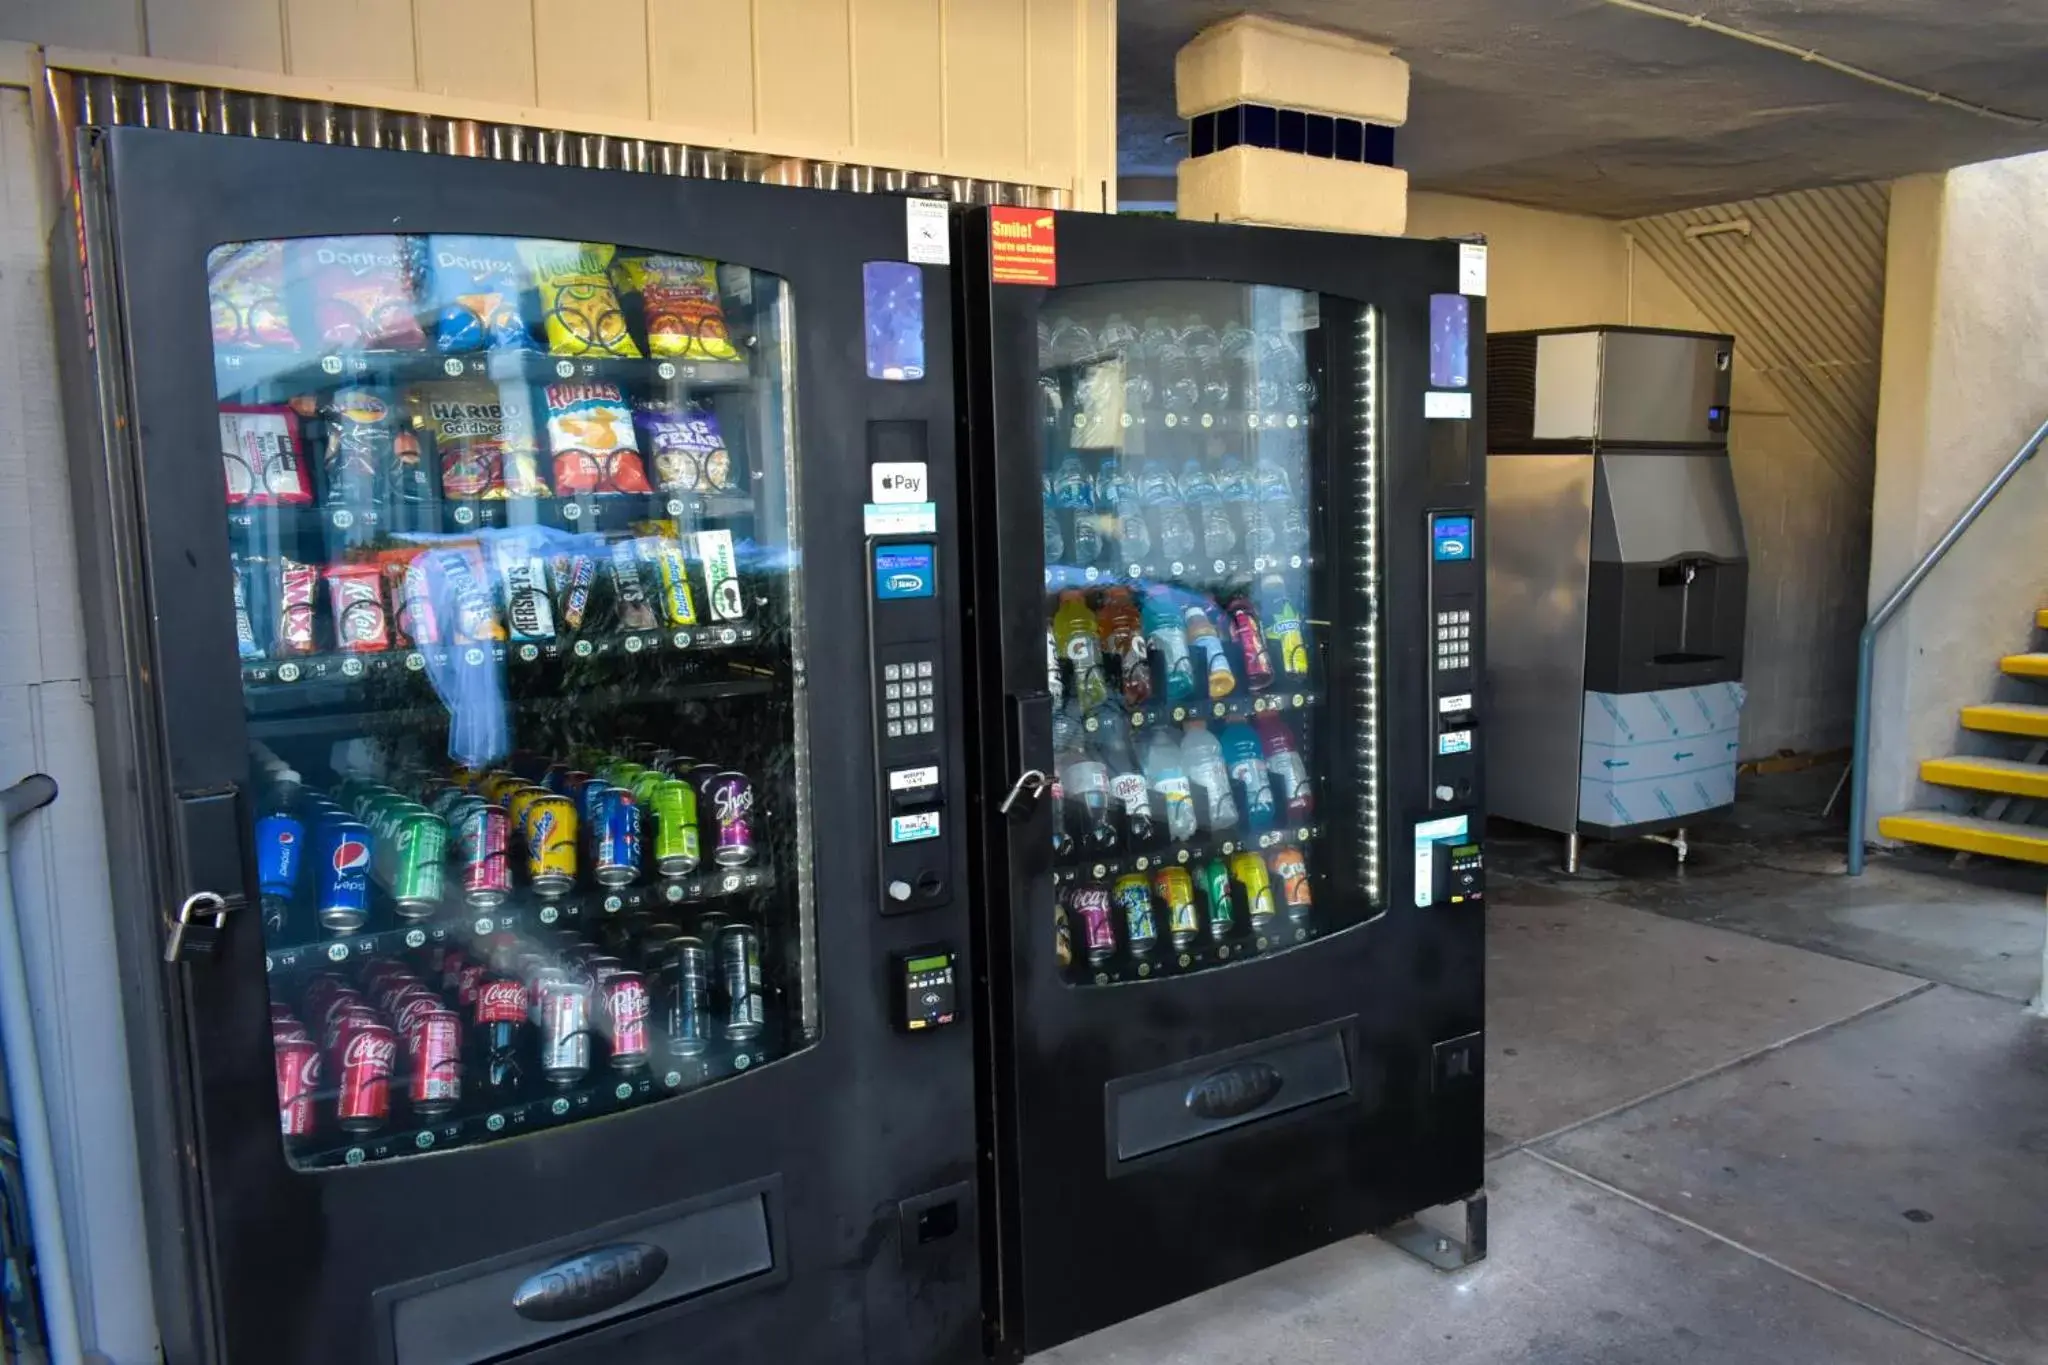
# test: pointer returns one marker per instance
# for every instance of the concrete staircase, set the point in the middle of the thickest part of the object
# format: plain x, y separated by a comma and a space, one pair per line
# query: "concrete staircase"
2000, 828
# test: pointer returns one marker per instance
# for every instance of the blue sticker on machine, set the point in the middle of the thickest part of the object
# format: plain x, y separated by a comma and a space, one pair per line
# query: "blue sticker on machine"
1451, 537
893, 292
904, 571
1450, 343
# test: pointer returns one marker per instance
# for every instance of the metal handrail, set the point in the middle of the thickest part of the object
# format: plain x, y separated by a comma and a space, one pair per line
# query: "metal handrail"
1866, 643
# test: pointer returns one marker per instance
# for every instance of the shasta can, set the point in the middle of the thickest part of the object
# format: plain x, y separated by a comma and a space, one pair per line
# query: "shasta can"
739, 962
1292, 870
562, 1005
1133, 898
434, 1038
1248, 870
298, 1081
614, 837
625, 1008
549, 828
1090, 904
1176, 891
686, 997
677, 850
363, 1104
1215, 884
731, 796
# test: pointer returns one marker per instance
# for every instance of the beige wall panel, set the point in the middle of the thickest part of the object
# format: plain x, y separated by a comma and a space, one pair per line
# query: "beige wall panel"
1052, 93
244, 33
700, 60
898, 87
102, 25
590, 56
351, 40
985, 116
1095, 176
1546, 269
803, 71
479, 49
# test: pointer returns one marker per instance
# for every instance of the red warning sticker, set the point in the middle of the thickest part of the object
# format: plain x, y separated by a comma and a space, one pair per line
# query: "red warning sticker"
1020, 246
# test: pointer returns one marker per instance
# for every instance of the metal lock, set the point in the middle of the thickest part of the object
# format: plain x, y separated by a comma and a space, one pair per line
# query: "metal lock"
196, 932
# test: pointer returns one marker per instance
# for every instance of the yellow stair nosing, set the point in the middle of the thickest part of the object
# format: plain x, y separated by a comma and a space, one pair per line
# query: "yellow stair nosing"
1968, 834
2008, 776
2041, 617
2007, 718
2025, 665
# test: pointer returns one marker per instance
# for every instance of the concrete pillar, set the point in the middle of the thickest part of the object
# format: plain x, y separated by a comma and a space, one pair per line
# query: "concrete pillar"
1255, 66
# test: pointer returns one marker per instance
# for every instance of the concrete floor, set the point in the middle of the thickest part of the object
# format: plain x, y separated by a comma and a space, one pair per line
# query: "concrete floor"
1747, 1111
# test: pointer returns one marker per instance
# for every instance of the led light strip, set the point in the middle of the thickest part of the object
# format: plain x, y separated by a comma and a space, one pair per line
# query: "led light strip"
1365, 632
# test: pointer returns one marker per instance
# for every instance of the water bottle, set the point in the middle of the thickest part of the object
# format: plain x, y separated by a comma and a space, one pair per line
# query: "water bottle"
1169, 513
1069, 342
1236, 347
1205, 350
1276, 492
1074, 626
1127, 787
1055, 542
1166, 774
1219, 537
1063, 845
1054, 683
1179, 391
1166, 641
1073, 490
1116, 492
1246, 759
1117, 335
1086, 780
1202, 758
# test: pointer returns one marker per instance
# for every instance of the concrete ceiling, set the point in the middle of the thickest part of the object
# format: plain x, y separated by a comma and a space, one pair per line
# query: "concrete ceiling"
1589, 107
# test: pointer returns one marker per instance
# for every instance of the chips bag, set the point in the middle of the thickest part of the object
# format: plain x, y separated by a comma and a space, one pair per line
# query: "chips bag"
684, 446
477, 286
363, 290
245, 293
576, 298
591, 431
483, 438
679, 295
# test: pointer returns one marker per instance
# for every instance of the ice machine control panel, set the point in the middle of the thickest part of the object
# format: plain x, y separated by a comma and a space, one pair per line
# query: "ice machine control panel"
907, 627
1454, 635
927, 994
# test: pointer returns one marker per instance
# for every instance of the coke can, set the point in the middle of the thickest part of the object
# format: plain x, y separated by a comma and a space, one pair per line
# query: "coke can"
466, 986
435, 1041
482, 832
1292, 870
686, 997
563, 1007
1134, 903
419, 846
345, 1022
1248, 870
1177, 892
364, 1101
499, 1017
549, 827
677, 850
1090, 904
614, 837
341, 881
415, 1007
298, 1081
625, 1008
1215, 885
731, 796
739, 960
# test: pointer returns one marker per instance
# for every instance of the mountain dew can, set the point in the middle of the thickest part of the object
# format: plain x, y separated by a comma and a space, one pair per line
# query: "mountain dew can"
1215, 881
677, 847
1177, 892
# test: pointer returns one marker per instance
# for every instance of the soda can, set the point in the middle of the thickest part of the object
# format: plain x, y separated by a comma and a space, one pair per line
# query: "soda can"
342, 875
563, 1009
599, 968
677, 849
474, 974
1176, 890
419, 850
481, 832
1292, 870
1248, 870
657, 941
416, 1005
1215, 883
280, 851
281, 1013
1062, 937
615, 837
298, 1082
686, 997
434, 1039
739, 961
549, 826
519, 800
499, 784
344, 1022
1134, 905
1090, 903
499, 1017
625, 1008
731, 796
363, 1103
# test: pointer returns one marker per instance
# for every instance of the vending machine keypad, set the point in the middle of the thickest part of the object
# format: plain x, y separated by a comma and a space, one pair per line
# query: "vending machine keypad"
909, 699
1453, 676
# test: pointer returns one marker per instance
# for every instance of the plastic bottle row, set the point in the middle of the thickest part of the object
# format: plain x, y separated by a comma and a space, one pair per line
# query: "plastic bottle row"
1181, 370
1116, 514
1162, 642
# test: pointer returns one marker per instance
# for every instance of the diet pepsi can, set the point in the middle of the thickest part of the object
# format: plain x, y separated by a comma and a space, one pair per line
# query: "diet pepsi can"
342, 875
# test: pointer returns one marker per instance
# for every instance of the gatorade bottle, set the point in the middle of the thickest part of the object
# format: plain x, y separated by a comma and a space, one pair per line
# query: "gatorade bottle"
1246, 760
1167, 776
1202, 758
1167, 642
1122, 627
1206, 643
1073, 625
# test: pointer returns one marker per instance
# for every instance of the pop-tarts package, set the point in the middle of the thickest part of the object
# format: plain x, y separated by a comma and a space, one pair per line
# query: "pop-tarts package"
478, 288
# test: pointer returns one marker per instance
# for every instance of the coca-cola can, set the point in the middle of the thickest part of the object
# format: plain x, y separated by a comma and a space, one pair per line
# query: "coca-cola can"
298, 1081
345, 1022
473, 976
408, 1011
562, 1007
452, 963
363, 1104
380, 974
282, 1013
730, 796
434, 1038
289, 1031
626, 1007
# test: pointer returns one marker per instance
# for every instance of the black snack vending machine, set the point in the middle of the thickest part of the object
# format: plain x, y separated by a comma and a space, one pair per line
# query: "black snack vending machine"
1226, 487
534, 926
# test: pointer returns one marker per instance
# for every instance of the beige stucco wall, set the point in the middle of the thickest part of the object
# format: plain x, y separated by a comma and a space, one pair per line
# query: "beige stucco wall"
1558, 270
1962, 388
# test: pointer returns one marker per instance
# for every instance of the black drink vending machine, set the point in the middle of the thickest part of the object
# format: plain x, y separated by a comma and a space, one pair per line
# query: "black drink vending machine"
1225, 486
528, 957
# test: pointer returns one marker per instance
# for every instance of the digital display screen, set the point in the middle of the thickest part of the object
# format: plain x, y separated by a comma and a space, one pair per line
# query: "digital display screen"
1450, 341
905, 571
893, 292
925, 964
1451, 537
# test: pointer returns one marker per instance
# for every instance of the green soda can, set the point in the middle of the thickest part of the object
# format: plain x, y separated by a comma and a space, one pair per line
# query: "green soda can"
419, 851
1215, 882
677, 850
646, 784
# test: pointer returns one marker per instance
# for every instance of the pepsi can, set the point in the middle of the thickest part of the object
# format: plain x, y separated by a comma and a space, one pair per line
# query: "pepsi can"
614, 836
342, 875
